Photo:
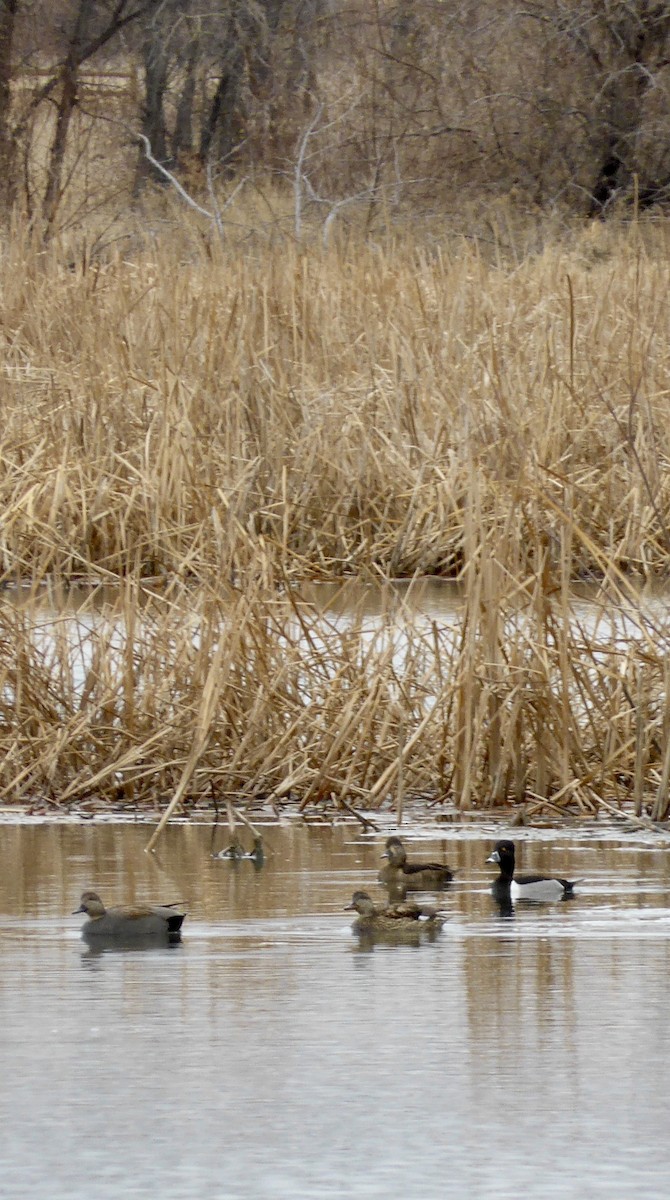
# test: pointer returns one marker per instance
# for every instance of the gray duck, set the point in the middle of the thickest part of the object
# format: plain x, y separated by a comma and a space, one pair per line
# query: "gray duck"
129, 922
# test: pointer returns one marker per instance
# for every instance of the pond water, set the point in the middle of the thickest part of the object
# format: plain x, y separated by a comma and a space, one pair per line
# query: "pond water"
269, 1055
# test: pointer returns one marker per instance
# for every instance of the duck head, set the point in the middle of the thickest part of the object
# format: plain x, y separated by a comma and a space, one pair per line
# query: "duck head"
92, 905
362, 904
395, 852
503, 854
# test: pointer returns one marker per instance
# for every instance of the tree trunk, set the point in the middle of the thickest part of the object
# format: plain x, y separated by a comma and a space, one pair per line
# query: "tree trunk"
637, 52
223, 126
66, 106
8, 182
183, 128
154, 126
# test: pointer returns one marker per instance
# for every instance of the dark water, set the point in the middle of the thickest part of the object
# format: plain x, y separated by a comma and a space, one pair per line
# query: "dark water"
270, 1056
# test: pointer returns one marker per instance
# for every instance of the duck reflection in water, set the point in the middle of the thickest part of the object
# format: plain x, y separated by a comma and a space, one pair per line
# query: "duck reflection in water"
395, 923
504, 904
129, 926
401, 876
97, 948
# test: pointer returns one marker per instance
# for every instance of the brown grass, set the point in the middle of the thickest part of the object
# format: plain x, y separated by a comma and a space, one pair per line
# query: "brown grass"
240, 420
191, 410
259, 696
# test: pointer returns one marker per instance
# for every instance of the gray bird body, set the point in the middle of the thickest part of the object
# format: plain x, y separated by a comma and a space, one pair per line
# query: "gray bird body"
129, 922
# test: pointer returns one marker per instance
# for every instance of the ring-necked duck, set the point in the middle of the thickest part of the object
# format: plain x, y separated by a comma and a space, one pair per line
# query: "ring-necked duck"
525, 887
129, 922
401, 875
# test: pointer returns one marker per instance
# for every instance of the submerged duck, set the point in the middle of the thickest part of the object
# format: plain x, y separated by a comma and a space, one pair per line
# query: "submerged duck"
394, 918
401, 875
126, 923
236, 852
525, 887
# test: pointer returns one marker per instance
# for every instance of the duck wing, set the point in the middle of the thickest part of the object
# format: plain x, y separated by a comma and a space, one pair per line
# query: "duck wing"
171, 914
417, 868
403, 912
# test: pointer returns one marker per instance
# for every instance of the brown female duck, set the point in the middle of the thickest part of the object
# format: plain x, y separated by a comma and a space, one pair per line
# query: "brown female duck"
393, 919
403, 876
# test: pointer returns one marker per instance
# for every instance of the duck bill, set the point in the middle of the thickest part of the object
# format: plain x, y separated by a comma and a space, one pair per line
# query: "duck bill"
494, 858
349, 908
81, 909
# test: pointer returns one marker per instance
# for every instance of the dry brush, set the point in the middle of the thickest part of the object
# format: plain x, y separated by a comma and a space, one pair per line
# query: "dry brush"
229, 423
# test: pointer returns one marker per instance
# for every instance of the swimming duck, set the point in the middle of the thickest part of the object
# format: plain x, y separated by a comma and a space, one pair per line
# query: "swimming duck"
403, 876
394, 918
525, 887
127, 922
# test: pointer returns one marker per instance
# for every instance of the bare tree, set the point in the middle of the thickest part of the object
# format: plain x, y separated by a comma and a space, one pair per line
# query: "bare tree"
95, 25
628, 46
79, 31
556, 102
158, 48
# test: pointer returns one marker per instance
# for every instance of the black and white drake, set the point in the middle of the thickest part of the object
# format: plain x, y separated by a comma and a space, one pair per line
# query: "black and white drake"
525, 887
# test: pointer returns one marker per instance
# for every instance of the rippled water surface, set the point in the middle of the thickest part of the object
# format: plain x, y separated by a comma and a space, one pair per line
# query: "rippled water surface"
271, 1056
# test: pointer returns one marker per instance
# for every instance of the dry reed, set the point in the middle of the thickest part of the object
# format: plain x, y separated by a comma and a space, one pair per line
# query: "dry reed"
323, 413
228, 423
260, 697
